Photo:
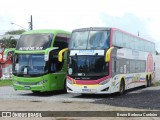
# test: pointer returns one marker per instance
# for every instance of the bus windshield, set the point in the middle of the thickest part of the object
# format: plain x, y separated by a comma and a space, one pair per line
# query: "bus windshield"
90, 40
88, 66
34, 42
29, 64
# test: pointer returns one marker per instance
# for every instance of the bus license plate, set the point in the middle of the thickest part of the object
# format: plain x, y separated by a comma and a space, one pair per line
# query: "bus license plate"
27, 87
89, 90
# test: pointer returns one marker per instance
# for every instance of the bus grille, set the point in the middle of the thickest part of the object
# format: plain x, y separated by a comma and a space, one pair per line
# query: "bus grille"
28, 83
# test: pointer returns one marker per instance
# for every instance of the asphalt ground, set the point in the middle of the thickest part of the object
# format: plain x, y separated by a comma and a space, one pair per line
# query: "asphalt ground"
139, 98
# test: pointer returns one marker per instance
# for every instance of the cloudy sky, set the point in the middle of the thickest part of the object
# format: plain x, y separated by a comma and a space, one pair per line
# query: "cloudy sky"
134, 16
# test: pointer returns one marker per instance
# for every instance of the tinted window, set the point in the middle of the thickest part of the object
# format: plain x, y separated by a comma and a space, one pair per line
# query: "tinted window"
54, 64
31, 64
61, 41
90, 40
88, 66
79, 40
129, 41
34, 42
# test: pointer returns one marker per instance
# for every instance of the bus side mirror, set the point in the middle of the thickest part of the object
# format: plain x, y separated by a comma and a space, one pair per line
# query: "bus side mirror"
60, 57
108, 54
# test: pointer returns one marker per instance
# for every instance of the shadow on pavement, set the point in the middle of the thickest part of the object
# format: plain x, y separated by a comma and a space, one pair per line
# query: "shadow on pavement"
44, 94
145, 99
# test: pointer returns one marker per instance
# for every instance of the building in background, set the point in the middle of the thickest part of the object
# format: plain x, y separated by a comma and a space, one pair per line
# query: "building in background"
5, 62
7, 43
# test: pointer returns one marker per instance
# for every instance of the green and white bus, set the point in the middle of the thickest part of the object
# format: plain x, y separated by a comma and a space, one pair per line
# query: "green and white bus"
40, 61
108, 60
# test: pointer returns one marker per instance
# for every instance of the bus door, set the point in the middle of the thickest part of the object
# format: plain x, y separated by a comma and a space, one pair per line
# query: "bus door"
56, 67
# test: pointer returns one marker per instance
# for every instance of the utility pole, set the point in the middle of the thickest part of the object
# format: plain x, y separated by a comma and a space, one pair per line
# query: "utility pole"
30, 24
138, 33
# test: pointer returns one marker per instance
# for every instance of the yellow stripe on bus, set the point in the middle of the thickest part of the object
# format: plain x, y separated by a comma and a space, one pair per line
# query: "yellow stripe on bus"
92, 86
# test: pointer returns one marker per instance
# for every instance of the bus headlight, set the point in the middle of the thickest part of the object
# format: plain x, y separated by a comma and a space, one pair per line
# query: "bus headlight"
69, 81
42, 82
104, 82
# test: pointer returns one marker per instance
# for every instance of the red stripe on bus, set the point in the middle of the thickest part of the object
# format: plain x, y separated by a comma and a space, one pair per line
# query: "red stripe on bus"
88, 82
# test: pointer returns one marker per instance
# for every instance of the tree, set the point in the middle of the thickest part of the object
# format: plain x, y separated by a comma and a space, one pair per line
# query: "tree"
10, 42
15, 32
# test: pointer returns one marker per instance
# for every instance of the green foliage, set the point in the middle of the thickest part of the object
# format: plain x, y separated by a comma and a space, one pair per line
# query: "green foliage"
15, 32
6, 82
9, 42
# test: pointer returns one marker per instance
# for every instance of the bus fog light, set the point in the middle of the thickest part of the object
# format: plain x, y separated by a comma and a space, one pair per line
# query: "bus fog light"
106, 89
69, 89
42, 82
104, 82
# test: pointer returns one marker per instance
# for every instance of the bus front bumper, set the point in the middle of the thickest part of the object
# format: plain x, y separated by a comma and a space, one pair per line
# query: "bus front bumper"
40, 88
88, 89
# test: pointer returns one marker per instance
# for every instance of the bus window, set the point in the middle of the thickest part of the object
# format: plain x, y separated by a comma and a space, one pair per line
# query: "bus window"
98, 40
61, 41
55, 65
79, 40
34, 42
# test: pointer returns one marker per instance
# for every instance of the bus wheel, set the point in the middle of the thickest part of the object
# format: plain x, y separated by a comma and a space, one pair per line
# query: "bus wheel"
122, 87
65, 87
146, 85
149, 81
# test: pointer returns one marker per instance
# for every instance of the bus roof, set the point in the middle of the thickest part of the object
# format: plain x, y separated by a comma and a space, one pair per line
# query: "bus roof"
54, 31
109, 28
92, 28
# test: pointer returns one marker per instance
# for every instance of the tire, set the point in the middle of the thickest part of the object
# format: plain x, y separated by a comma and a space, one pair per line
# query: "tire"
122, 87
149, 81
146, 85
65, 87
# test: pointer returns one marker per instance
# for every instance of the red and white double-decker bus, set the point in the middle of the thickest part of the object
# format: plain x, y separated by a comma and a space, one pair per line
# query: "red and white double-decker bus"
108, 60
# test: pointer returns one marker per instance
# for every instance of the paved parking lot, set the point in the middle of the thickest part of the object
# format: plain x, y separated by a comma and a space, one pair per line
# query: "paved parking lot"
141, 98
134, 100
10, 94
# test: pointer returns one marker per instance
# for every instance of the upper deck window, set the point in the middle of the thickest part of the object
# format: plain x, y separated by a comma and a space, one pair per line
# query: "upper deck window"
89, 40
125, 40
34, 42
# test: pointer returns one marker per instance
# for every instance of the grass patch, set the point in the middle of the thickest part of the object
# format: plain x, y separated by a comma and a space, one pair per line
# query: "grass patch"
6, 82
